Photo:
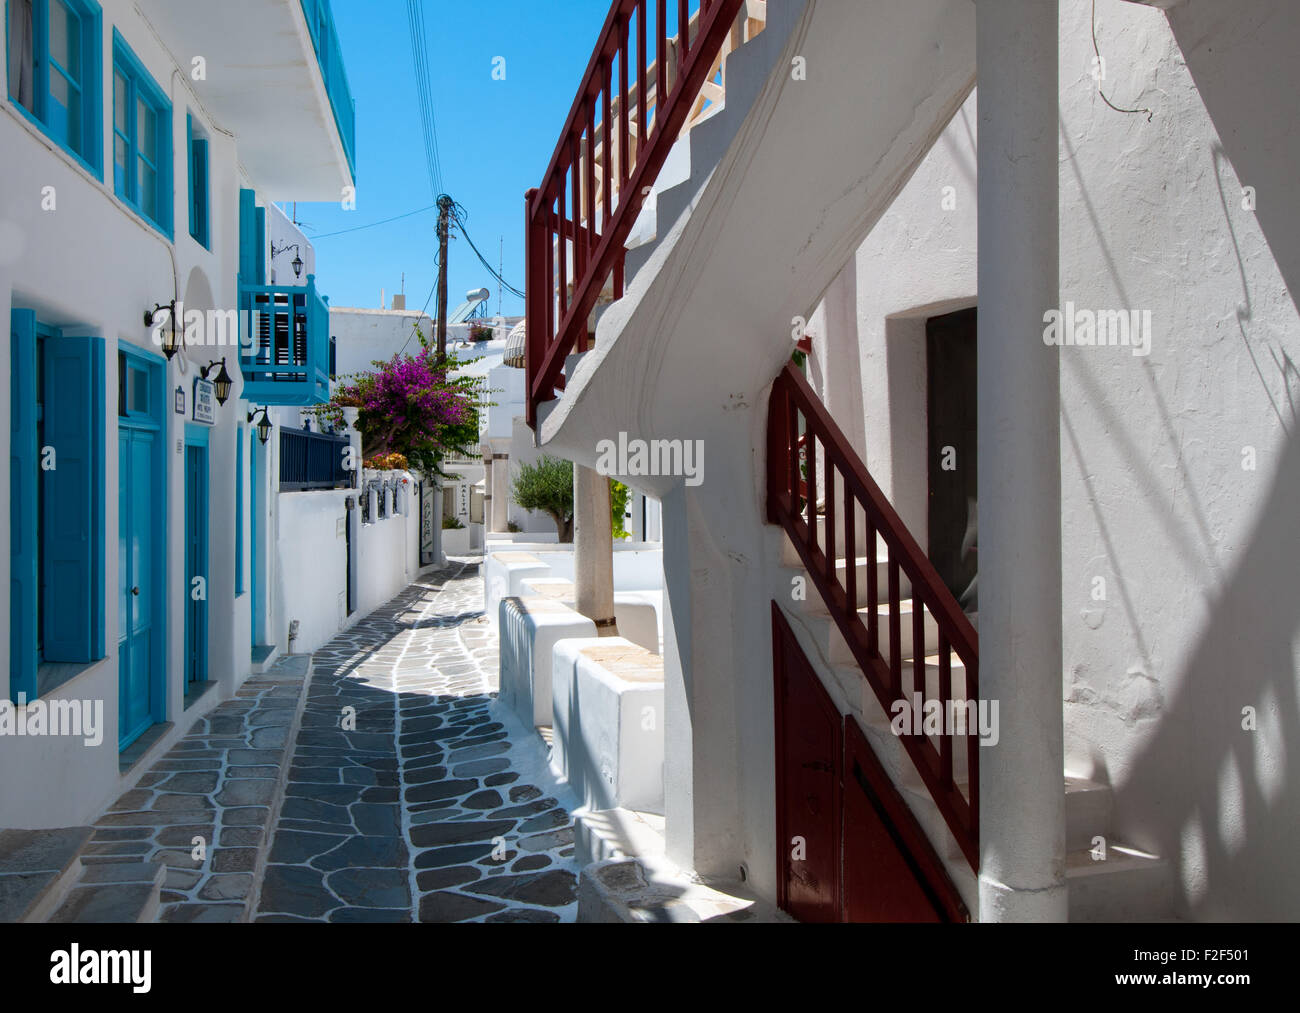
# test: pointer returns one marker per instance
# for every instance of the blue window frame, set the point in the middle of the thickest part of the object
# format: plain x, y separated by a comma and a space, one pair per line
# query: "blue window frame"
199, 188
142, 139
56, 503
54, 72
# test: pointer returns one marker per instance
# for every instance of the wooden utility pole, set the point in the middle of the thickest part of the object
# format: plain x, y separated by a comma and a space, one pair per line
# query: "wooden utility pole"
445, 204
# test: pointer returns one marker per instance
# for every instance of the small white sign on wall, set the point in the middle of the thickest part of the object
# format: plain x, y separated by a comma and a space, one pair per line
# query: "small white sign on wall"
205, 401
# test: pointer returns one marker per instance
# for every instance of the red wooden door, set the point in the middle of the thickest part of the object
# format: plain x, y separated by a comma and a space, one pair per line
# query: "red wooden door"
809, 752
848, 848
891, 872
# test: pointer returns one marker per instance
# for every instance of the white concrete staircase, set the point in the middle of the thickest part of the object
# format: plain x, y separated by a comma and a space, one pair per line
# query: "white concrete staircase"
758, 209
1107, 880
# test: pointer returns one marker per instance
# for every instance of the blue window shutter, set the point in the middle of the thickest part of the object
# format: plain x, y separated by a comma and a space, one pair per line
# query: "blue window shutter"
201, 192
73, 520
261, 246
194, 177
247, 237
23, 475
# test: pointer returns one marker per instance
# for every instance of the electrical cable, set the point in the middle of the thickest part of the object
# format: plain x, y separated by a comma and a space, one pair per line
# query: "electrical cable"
375, 225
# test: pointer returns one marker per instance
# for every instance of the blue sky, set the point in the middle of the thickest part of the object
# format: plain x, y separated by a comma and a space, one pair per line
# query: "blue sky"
495, 138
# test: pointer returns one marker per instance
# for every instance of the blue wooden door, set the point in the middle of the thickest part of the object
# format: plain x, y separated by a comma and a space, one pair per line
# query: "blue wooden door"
196, 565
255, 538
137, 545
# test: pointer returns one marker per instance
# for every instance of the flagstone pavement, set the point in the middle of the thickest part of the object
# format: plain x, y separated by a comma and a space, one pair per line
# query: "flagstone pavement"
410, 793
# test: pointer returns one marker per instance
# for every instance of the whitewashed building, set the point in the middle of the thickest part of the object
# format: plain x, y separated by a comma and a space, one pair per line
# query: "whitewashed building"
141, 166
1046, 260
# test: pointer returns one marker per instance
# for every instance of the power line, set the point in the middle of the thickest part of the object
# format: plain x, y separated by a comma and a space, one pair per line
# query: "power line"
428, 123
375, 225
482, 259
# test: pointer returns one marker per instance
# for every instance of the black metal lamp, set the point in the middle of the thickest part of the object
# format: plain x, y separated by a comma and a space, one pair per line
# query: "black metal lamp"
263, 426
223, 382
171, 336
297, 260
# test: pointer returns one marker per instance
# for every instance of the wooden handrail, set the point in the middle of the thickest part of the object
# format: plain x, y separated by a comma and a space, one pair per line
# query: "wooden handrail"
792, 503
572, 218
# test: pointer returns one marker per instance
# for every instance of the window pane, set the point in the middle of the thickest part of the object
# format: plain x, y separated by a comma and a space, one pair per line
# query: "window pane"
65, 39
148, 190
146, 138
119, 164
21, 50
119, 103
138, 400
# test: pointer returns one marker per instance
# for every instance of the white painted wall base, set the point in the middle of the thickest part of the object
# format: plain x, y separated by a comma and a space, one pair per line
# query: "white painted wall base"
530, 629
608, 698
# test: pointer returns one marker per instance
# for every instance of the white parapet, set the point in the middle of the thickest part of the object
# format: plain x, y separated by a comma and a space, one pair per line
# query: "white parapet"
637, 612
530, 629
607, 700
503, 574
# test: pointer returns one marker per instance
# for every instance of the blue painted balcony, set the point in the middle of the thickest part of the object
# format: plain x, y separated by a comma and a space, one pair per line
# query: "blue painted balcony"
325, 37
284, 350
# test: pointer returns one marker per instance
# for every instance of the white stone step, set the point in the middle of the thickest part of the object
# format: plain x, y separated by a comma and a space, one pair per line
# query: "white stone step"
1087, 812
115, 893
836, 649
1129, 885
37, 870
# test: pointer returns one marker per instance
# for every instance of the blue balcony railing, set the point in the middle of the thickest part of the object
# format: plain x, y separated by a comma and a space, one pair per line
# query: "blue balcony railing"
285, 344
325, 37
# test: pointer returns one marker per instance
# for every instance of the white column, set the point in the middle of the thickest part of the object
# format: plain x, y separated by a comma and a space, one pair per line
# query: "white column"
593, 549
1022, 804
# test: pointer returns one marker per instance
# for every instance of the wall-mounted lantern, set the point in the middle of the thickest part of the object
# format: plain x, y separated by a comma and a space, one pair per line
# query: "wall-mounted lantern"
223, 382
263, 425
297, 260
171, 336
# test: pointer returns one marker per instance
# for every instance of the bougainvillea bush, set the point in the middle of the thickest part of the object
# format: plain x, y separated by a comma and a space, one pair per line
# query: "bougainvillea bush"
387, 462
410, 406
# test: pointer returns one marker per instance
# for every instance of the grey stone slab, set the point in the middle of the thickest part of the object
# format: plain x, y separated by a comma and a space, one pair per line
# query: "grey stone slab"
204, 913
364, 853
477, 768
371, 888
237, 886
440, 858
446, 906
295, 890
291, 847
437, 790
525, 915
117, 904
24, 851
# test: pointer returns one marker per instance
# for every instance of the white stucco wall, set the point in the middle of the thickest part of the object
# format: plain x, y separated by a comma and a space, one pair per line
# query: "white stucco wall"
1197, 620
91, 265
1197, 554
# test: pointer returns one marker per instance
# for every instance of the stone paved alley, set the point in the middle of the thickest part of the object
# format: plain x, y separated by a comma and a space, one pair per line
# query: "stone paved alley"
409, 793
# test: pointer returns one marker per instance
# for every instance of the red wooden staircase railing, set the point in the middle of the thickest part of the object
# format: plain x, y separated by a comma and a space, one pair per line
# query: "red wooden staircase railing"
800, 434
605, 165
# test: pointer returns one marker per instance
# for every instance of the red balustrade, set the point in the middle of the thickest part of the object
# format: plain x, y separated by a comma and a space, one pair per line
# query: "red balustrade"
802, 435
610, 153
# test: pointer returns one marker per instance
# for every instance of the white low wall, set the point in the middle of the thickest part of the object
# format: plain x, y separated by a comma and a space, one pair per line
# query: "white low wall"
388, 547
311, 568
638, 566
530, 630
311, 560
607, 700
